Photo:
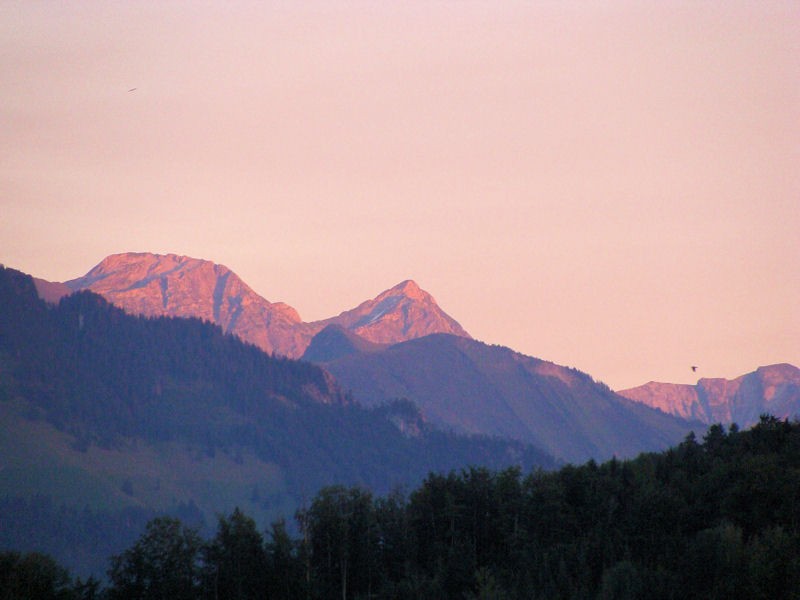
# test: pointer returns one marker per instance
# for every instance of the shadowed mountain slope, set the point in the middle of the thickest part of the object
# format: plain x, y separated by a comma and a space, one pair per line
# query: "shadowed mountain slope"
51, 291
473, 387
335, 342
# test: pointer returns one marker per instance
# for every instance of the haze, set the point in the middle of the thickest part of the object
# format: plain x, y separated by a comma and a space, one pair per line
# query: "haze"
612, 186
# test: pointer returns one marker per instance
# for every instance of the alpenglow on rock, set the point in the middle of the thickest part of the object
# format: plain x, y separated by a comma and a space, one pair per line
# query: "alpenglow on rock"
401, 313
470, 387
180, 286
774, 389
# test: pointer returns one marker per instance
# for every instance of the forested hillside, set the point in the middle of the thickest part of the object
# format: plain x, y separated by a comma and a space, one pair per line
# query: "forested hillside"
113, 419
469, 386
88, 366
711, 519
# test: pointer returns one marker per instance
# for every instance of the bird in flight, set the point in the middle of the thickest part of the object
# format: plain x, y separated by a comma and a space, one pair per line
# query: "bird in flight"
694, 368
132, 90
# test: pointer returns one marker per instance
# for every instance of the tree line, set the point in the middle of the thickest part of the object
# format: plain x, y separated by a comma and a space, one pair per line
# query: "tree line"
711, 518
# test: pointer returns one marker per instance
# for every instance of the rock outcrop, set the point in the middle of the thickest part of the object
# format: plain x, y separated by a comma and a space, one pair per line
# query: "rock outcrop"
773, 389
401, 313
180, 286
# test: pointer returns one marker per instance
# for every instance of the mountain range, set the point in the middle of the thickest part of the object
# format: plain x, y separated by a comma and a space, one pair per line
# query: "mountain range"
400, 344
171, 285
128, 390
179, 286
772, 389
107, 419
467, 386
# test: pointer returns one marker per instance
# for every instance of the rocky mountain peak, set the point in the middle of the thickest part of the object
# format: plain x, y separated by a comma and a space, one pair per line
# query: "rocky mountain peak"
175, 285
401, 313
779, 373
134, 267
180, 286
409, 289
772, 389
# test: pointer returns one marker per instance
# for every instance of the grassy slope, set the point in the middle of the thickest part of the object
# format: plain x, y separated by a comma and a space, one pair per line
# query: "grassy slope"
35, 458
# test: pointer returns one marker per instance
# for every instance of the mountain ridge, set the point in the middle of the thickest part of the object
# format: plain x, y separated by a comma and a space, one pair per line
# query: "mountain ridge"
773, 389
472, 387
103, 412
175, 285
402, 312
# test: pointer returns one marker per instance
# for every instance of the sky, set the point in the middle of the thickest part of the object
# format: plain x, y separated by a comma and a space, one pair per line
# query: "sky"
612, 186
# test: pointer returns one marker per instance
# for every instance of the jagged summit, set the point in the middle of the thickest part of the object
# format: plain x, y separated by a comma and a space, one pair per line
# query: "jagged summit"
180, 286
468, 386
408, 288
137, 266
401, 313
773, 389
176, 285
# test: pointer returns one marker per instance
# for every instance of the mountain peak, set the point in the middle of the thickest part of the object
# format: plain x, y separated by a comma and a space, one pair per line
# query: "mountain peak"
773, 389
408, 288
138, 268
180, 286
401, 313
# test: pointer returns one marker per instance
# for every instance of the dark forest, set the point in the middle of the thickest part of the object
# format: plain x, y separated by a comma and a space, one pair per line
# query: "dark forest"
711, 518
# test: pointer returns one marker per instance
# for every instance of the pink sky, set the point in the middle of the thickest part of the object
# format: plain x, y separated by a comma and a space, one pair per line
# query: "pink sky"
613, 186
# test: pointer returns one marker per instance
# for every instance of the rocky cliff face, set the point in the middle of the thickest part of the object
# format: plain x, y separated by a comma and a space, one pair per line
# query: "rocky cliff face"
179, 286
401, 313
773, 389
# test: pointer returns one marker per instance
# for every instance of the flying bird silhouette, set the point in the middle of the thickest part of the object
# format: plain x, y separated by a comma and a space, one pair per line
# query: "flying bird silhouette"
694, 368
132, 90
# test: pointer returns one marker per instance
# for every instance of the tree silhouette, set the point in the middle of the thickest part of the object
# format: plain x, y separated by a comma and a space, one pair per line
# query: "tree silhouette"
163, 563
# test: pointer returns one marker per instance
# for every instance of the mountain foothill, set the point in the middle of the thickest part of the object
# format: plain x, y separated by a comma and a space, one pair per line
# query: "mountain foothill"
163, 384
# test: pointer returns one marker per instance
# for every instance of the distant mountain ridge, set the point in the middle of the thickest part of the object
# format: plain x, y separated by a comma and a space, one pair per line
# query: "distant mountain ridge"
364, 348
472, 387
171, 285
772, 389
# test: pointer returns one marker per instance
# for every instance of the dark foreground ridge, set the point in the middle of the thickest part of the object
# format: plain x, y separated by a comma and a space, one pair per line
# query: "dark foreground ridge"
713, 519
